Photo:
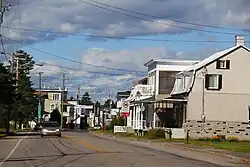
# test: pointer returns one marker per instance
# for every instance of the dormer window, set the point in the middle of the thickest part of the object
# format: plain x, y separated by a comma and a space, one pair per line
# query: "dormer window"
223, 64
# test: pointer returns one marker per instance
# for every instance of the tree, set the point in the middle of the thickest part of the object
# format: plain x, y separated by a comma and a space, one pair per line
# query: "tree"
26, 102
86, 100
7, 96
109, 102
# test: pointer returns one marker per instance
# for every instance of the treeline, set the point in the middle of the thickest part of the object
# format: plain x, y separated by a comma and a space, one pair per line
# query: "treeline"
17, 101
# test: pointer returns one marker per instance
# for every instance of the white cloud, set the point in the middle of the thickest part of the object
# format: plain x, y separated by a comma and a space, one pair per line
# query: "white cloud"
70, 16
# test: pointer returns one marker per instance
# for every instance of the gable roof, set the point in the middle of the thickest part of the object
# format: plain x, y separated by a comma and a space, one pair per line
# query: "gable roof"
215, 56
178, 88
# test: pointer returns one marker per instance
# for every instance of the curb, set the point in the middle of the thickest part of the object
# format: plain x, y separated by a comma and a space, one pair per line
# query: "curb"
238, 159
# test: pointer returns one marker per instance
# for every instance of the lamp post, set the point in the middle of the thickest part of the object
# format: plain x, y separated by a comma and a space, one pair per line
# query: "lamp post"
204, 72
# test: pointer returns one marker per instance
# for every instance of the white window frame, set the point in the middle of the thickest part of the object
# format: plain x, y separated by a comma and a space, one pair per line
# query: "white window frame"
217, 81
54, 95
224, 65
52, 108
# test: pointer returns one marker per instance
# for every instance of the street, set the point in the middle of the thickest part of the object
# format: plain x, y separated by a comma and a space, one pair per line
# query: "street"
83, 149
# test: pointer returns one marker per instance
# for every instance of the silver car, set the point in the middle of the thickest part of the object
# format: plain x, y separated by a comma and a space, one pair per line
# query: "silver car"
51, 128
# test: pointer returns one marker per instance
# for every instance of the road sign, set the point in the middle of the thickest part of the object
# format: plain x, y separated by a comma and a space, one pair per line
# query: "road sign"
125, 114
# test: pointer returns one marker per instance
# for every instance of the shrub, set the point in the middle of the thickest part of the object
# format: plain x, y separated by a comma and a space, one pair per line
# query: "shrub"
156, 133
232, 139
204, 139
216, 138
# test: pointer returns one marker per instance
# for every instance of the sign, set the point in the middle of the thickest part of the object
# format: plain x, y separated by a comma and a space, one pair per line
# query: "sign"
125, 114
125, 106
39, 112
125, 109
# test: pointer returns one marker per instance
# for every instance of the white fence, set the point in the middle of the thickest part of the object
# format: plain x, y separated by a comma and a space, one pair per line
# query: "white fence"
120, 129
177, 133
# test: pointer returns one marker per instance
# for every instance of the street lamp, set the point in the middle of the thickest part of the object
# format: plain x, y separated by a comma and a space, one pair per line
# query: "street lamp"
204, 72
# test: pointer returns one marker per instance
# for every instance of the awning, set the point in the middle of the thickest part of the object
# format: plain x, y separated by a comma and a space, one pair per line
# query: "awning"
175, 100
144, 99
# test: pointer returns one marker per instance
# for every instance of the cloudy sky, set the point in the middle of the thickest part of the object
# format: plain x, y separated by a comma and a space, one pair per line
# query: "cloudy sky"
102, 46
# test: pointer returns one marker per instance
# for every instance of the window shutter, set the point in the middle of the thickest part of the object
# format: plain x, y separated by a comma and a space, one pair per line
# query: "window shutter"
220, 82
218, 64
227, 64
206, 81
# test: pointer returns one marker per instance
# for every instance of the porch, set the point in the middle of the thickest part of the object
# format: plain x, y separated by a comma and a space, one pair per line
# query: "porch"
167, 113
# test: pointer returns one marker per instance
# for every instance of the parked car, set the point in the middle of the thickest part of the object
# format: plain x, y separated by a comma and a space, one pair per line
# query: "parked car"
51, 128
37, 127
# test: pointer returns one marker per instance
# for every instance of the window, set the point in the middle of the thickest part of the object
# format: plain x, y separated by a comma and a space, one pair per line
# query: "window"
52, 107
223, 64
213, 81
166, 81
56, 96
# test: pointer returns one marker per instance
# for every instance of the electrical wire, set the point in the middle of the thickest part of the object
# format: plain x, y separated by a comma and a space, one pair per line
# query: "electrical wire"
74, 61
118, 37
177, 21
74, 69
154, 21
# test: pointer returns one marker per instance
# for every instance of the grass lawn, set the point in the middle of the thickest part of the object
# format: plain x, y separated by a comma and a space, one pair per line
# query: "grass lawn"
243, 146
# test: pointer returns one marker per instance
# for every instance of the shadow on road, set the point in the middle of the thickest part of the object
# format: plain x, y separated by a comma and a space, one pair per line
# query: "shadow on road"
50, 158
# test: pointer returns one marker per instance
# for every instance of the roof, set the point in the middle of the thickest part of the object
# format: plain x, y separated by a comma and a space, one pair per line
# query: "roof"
215, 56
171, 61
189, 79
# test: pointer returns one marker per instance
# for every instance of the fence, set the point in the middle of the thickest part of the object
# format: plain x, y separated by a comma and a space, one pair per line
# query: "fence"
120, 129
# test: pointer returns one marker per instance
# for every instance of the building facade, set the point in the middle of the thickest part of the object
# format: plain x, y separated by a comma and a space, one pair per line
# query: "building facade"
216, 93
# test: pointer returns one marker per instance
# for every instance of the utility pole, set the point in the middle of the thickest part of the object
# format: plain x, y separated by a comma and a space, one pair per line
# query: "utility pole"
2, 11
62, 98
78, 103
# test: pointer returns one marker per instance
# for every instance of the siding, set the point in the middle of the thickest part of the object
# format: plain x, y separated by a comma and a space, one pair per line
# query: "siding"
232, 101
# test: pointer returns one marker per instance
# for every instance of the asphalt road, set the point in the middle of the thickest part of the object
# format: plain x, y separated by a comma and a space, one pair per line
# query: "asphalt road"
83, 149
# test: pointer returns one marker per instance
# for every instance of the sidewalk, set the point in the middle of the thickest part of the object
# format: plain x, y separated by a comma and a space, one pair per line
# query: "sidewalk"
243, 158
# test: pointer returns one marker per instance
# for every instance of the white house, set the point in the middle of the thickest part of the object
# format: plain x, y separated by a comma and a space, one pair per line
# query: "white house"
215, 94
80, 115
147, 101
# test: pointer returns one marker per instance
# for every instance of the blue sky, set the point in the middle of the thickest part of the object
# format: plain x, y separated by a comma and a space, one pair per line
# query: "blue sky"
72, 16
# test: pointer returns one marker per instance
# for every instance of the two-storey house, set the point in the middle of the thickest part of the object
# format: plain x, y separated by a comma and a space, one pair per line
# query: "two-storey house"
149, 106
51, 100
216, 94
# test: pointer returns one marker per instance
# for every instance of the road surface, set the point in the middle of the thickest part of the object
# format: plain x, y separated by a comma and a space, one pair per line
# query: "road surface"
82, 149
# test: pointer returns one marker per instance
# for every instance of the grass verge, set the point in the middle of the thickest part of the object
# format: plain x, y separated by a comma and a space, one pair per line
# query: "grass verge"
236, 146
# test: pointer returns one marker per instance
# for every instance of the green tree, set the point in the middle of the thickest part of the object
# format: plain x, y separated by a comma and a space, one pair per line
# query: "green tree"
86, 99
7, 97
109, 102
26, 102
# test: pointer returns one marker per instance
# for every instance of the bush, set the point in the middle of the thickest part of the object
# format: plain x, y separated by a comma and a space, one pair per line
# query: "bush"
216, 138
232, 139
204, 139
156, 133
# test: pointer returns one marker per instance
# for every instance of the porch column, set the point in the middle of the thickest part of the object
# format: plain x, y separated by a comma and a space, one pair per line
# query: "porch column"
134, 116
141, 118
154, 119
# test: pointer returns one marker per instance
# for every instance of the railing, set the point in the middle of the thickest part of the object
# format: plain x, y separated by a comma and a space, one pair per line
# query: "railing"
120, 129
142, 124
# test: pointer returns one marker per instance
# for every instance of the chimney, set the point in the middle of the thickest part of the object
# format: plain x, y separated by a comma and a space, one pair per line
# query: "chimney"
239, 40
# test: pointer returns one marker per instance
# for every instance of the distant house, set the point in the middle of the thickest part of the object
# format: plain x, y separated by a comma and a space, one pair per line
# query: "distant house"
214, 94
51, 100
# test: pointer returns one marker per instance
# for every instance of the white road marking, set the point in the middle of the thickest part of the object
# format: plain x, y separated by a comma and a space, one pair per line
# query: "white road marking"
12, 151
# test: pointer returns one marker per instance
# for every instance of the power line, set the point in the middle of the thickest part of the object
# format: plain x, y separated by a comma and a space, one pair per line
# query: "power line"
177, 21
74, 69
117, 37
149, 20
74, 61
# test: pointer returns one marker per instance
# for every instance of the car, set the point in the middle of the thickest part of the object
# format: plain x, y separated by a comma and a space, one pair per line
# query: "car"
51, 128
